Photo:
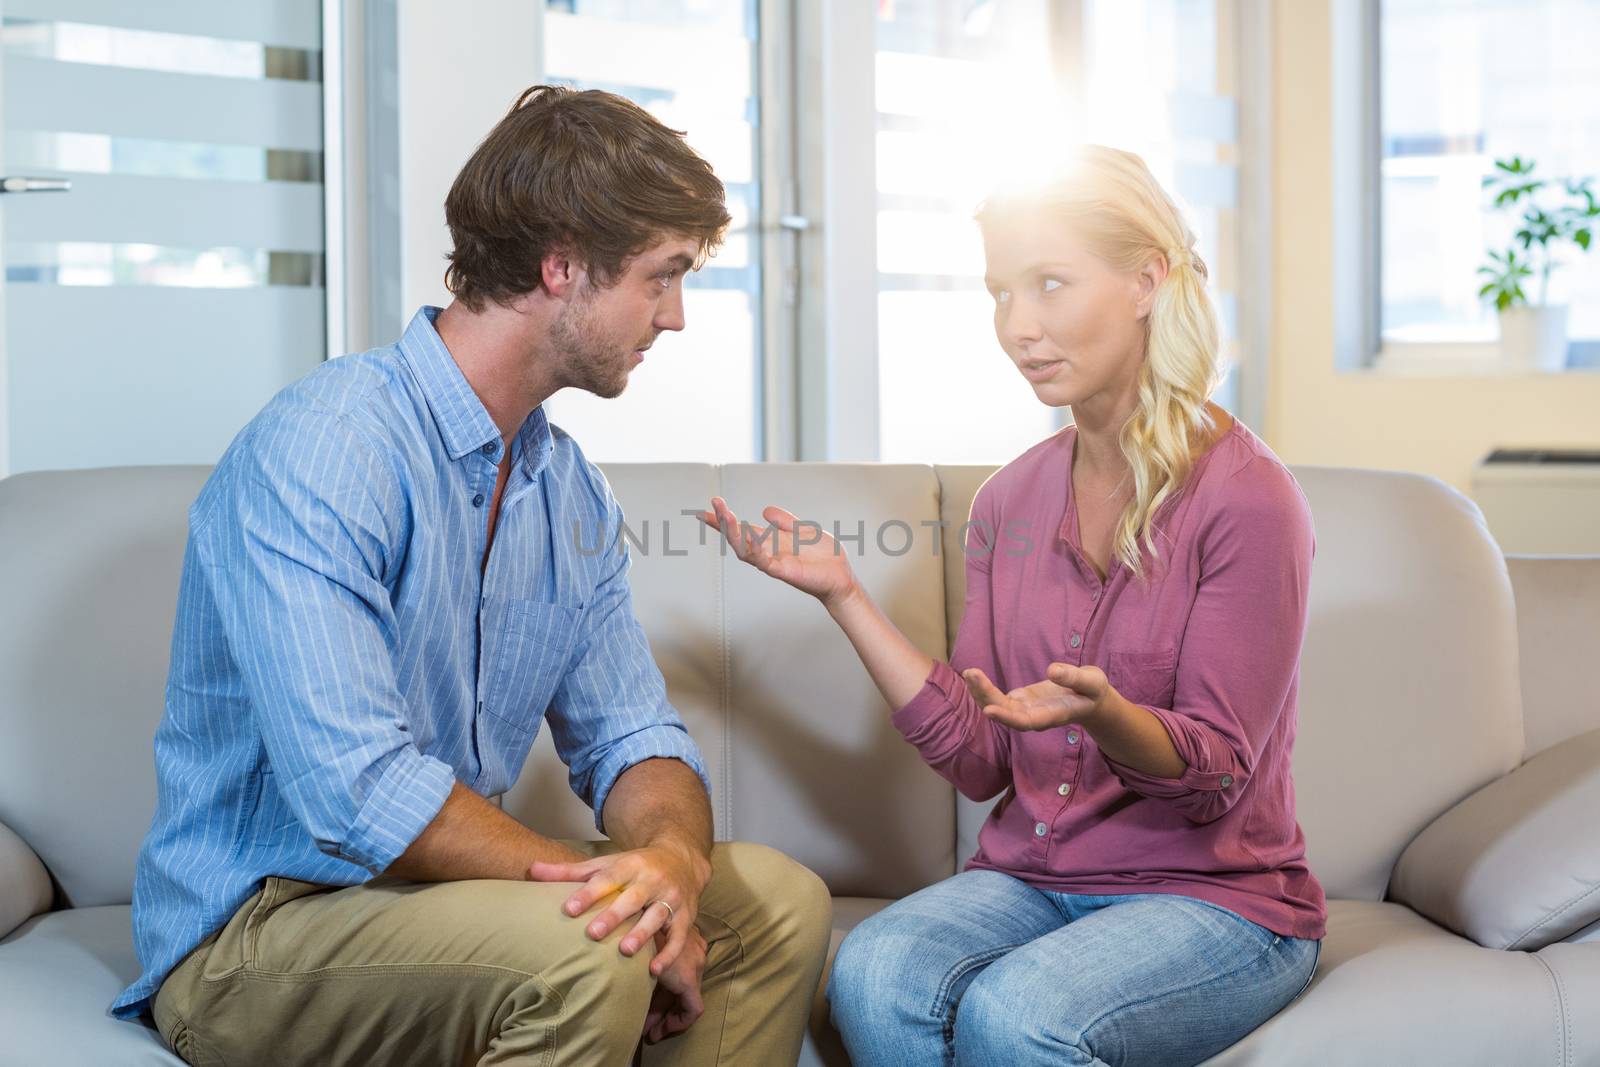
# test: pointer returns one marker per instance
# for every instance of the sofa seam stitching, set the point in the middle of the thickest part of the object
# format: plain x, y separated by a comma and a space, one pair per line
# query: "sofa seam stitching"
1591, 891
723, 701
1558, 998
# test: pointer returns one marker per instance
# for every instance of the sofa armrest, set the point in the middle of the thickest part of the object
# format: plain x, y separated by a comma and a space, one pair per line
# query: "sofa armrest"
1516, 865
24, 883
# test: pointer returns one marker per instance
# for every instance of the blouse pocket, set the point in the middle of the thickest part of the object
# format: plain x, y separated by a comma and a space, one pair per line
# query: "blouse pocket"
1149, 677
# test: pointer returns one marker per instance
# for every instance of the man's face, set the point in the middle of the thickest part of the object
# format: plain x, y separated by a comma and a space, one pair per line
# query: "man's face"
601, 335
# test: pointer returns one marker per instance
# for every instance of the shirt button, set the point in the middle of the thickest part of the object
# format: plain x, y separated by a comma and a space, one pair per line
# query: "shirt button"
488, 449
1227, 780
477, 501
1072, 739
1039, 829
1077, 639
1064, 788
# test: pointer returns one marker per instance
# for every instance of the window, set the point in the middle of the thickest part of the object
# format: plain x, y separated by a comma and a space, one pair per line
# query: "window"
692, 64
968, 92
1463, 83
846, 318
957, 87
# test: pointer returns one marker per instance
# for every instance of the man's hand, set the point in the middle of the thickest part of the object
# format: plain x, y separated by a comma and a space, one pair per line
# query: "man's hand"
640, 879
676, 1003
1069, 694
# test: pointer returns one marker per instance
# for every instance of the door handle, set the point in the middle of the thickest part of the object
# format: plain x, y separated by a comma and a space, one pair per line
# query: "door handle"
35, 185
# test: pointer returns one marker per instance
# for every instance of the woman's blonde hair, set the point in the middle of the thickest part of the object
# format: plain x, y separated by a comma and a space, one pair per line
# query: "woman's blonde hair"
1111, 198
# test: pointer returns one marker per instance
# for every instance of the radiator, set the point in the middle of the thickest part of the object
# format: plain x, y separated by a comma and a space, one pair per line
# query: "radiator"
1541, 501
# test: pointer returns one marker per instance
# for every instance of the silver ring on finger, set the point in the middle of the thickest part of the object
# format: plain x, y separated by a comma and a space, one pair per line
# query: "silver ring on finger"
671, 914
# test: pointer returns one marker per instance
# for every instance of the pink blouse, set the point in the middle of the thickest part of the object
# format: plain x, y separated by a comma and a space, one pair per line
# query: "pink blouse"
1211, 646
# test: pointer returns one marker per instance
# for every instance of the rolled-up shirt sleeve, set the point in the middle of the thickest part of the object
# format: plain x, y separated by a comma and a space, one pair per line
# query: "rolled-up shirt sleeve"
951, 733
297, 579
1238, 665
610, 710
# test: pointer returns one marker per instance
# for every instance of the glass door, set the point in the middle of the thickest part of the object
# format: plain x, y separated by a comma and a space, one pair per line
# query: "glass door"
161, 228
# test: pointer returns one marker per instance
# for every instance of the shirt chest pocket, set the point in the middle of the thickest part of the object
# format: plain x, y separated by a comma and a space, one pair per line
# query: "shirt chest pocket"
529, 645
1145, 677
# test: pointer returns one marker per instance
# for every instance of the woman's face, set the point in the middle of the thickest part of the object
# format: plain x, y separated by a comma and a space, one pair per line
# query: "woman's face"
1071, 323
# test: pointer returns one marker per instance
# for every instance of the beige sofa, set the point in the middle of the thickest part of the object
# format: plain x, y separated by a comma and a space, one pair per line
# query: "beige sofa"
1450, 811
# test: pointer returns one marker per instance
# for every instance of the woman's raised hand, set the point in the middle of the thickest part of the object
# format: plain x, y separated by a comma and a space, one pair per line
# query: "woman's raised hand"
799, 553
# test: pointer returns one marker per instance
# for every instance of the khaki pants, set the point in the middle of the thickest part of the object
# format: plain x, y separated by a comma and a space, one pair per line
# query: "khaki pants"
492, 972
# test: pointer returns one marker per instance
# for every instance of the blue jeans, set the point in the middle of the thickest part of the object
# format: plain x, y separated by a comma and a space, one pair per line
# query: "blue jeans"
983, 969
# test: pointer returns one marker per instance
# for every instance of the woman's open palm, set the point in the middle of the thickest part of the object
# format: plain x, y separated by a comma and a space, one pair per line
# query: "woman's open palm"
1067, 695
798, 553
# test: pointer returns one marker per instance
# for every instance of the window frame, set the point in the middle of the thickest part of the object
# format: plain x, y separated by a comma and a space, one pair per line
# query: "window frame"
1357, 133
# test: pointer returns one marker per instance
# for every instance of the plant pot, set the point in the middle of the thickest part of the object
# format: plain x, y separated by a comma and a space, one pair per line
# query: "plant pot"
1534, 338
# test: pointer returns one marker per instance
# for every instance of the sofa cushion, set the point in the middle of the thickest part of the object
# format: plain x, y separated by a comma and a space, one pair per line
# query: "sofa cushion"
1517, 864
89, 563
758, 669
673, 581
1575, 970
1588, 934
1408, 680
1391, 987
1417, 994
820, 772
59, 972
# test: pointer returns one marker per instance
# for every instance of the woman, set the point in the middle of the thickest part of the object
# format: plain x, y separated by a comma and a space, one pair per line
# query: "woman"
1136, 600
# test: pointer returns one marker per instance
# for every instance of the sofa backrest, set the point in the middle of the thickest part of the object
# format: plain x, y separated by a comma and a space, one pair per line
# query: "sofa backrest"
802, 753
89, 564
1408, 679
1558, 634
1409, 696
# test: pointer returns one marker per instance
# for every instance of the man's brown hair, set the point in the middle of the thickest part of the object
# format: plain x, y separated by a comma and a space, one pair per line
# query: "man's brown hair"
589, 172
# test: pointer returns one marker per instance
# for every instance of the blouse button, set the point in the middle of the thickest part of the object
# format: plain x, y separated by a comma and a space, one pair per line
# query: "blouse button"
1039, 829
1077, 639
1072, 739
1064, 788
1227, 780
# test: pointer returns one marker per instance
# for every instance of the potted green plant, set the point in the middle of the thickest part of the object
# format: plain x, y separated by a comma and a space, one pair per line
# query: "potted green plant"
1533, 334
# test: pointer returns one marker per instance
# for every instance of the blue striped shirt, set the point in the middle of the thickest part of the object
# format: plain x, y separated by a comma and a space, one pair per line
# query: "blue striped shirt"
338, 661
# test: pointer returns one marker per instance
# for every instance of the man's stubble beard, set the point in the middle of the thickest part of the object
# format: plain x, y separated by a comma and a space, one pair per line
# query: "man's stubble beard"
587, 360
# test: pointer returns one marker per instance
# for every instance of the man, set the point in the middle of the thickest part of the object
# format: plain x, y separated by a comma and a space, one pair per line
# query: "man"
382, 596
